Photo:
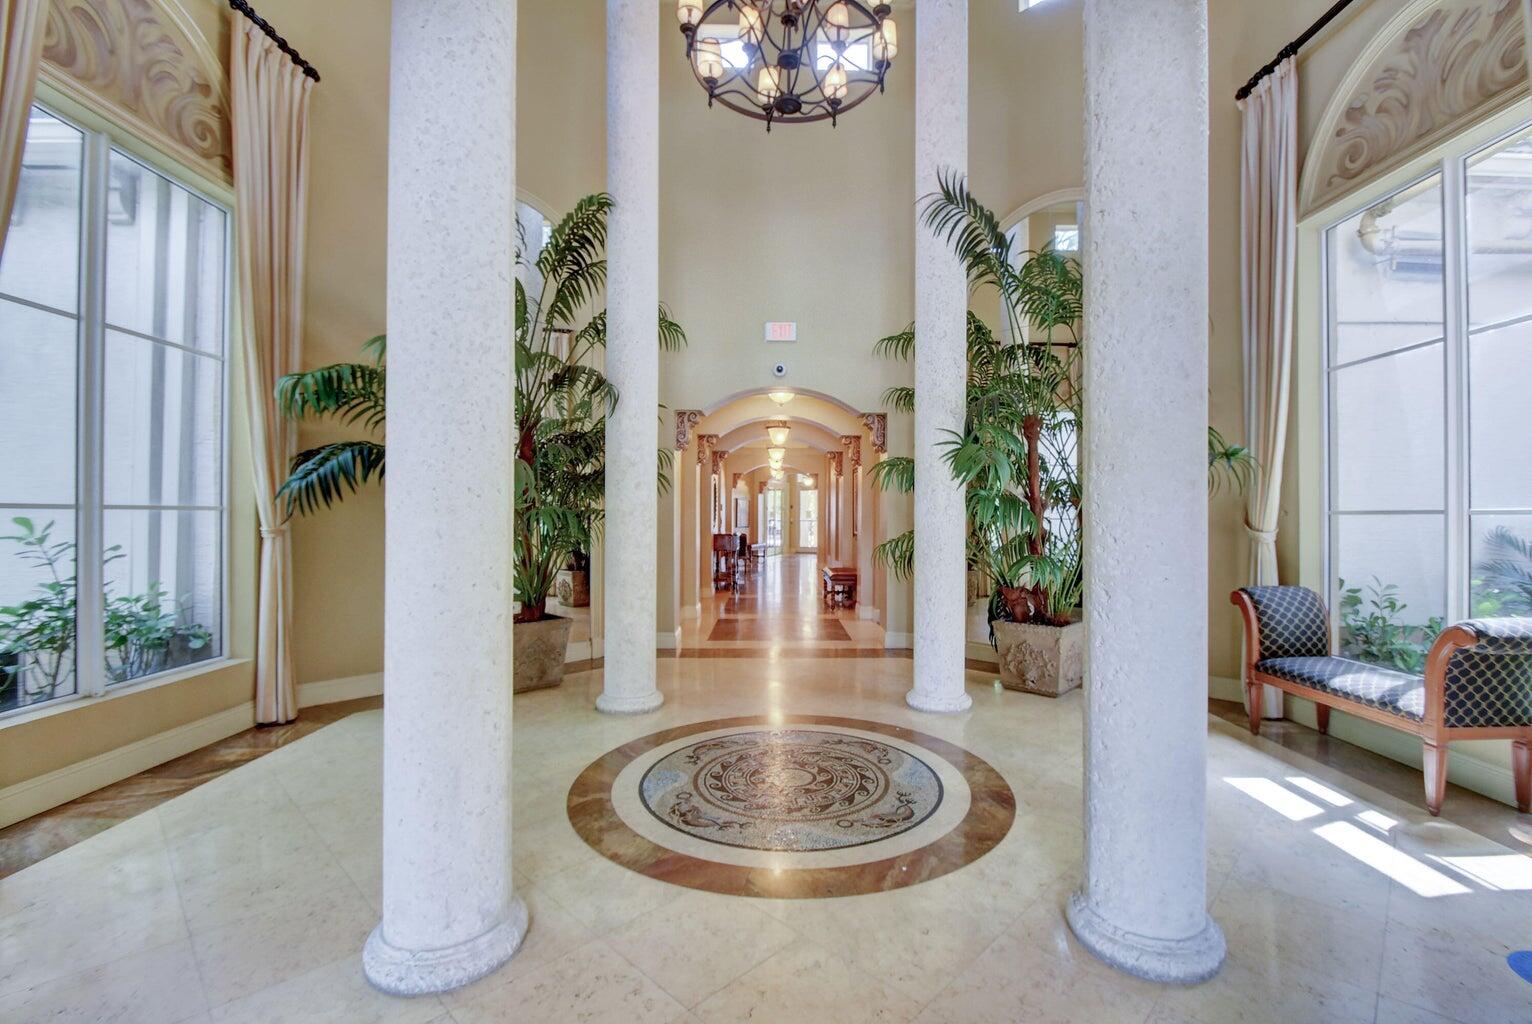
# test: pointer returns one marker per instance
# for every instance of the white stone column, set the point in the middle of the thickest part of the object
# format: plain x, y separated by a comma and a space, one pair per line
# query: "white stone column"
1143, 905
941, 311
449, 913
632, 354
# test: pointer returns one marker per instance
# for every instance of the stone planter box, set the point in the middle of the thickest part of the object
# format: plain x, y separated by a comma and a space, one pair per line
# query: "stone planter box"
573, 588
1049, 660
538, 649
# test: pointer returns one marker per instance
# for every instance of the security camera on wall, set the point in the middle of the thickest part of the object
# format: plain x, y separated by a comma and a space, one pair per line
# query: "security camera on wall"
780, 370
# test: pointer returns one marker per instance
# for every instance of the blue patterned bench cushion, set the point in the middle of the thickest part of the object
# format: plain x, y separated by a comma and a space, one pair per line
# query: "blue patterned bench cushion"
1398, 693
1490, 685
1292, 621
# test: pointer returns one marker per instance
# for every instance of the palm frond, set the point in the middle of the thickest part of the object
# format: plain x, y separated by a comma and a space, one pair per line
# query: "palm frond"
900, 398
322, 476
352, 392
672, 334
899, 346
968, 227
897, 555
1227, 462
895, 473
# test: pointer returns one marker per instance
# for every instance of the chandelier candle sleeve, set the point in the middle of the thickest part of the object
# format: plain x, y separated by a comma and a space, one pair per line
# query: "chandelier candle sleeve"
792, 61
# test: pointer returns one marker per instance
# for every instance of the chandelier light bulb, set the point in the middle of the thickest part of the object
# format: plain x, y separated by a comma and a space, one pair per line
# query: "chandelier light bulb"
769, 82
709, 56
838, 22
885, 42
752, 26
778, 434
835, 85
689, 13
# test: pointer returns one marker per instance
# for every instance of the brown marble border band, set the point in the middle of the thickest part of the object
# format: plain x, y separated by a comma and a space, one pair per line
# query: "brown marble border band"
992, 809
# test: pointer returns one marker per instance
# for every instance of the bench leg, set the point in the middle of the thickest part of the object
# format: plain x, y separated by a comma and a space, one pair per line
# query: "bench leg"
1521, 762
1322, 718
1253, 699
1436, 776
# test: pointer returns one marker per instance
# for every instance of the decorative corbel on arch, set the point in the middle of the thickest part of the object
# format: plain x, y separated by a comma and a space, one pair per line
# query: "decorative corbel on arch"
837, 462
853, 446
686, 422
716, 467
707, 451
144, 65
1435, 68
877, 426
734, 485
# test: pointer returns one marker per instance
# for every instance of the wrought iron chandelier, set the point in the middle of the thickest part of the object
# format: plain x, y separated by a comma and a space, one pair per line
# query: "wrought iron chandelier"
788, 61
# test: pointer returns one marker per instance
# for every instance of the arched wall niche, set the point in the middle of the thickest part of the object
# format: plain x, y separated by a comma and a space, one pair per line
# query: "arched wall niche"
1435, 68
144, 65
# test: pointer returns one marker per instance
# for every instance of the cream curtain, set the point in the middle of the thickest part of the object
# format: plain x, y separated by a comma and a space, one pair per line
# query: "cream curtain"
1268, 264
271, 125
1268, 202
21, 44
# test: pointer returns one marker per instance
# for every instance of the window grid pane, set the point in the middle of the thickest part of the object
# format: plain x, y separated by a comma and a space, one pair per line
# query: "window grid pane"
141, 470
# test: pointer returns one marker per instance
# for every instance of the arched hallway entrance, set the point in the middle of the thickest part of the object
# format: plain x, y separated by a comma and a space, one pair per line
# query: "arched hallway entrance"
772, 490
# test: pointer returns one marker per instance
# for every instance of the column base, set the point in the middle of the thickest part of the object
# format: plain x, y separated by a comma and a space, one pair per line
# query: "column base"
939, 705
1171, 961
612, 704
408, 972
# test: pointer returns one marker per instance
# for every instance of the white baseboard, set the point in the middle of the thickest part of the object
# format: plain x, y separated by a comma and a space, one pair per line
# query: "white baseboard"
981, 652
24, 799
899, 641
668, 641
867, 613
333, 691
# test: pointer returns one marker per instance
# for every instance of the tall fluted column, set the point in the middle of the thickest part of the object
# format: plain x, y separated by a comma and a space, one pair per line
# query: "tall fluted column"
1143, 906
941, 311
449, 913
632, 354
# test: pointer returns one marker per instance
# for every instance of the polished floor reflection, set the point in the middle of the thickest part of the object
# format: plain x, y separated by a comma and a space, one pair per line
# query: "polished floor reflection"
248, 898
778, 605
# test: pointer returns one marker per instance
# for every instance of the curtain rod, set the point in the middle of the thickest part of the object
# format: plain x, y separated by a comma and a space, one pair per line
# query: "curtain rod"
1292, 48
265, 26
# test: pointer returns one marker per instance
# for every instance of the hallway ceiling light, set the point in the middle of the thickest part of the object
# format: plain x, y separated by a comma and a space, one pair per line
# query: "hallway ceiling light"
780, 397
804, 60
778, 433
777, 474
776, 455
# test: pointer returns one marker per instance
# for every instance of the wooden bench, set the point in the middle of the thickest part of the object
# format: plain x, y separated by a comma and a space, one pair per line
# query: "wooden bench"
839, 585
1477, 683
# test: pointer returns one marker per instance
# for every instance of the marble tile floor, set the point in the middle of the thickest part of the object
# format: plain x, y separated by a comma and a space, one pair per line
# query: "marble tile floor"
27, 842
248, 897
778, 607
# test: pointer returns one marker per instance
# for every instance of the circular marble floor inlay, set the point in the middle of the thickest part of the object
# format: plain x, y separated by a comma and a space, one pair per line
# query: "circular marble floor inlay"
791, 789
791, 806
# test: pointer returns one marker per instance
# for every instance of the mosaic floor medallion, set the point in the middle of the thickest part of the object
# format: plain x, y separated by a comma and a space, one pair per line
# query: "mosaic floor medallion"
791, 789
794, 806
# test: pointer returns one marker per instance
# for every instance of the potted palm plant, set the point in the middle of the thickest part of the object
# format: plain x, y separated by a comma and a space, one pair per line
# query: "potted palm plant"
562, 400
1017, 455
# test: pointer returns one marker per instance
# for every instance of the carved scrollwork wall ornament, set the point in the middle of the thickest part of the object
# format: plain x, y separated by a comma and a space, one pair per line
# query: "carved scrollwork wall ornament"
686, 422
877, 426
837, 463
143, 64
706, 449
853, 445
1437, 67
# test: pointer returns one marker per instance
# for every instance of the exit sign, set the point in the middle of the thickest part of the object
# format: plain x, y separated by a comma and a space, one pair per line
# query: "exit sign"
781, 330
